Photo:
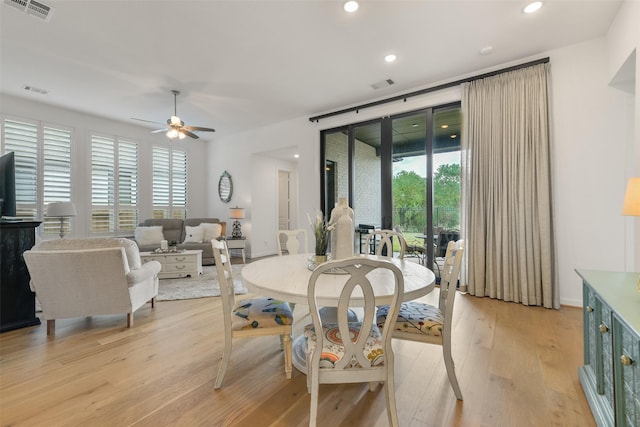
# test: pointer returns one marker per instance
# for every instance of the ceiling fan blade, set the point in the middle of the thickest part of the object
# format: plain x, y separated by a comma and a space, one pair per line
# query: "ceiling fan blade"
148, 121
160, 130
191, 134
198, 128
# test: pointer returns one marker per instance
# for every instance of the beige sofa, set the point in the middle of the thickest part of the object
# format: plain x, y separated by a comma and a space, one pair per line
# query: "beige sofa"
175, 230
89, 277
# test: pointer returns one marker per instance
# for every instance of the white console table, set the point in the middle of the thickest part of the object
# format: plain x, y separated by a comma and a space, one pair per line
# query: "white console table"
187, 263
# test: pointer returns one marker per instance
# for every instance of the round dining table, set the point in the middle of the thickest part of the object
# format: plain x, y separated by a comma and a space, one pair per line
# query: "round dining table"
287, 277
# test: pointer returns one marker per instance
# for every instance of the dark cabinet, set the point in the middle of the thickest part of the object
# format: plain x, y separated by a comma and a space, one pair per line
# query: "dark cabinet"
17, 302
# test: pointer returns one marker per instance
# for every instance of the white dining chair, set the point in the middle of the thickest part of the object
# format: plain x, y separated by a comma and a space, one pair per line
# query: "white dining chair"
292, 241
383, 240
250, 317
367, 356
426, 323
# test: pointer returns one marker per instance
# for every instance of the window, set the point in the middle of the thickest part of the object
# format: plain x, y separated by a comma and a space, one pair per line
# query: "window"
169, 183
43, 161
114, 184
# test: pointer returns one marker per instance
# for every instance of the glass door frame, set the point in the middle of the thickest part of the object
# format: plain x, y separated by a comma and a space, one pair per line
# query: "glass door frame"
386, 165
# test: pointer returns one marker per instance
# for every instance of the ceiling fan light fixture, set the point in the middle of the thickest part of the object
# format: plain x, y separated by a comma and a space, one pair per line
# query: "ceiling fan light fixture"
172, 134
175, 121
181, 135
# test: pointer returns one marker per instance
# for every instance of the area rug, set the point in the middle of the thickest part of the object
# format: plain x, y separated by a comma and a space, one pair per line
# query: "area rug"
199, 287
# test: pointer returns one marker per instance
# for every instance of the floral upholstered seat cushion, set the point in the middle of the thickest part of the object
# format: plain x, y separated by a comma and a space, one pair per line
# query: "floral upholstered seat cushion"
261, 313
415, 317
333, 349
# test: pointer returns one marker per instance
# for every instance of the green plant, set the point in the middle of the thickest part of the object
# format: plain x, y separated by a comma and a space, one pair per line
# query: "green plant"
319, 227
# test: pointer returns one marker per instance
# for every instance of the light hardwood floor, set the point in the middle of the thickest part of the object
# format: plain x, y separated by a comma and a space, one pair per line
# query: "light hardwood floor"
517, 366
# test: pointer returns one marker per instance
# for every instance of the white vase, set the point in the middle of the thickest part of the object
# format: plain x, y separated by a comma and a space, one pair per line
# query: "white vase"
342, 230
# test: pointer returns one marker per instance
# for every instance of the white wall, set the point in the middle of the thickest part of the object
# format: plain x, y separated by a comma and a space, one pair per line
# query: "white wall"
83, 124
593, 132
596, 129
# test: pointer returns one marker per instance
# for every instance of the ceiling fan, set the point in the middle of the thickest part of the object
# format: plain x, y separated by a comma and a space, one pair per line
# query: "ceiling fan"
175, 127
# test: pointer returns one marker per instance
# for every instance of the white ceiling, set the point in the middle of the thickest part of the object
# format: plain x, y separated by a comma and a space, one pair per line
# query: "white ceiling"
244, 64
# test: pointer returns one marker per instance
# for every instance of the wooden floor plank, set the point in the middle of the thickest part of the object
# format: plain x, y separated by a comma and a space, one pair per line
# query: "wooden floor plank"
517, 366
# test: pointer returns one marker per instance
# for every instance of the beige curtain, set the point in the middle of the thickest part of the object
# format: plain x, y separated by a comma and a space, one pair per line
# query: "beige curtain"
507, 188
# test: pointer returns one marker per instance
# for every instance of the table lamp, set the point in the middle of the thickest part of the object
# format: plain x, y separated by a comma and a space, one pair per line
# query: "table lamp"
631, 204
61, 210
236, 214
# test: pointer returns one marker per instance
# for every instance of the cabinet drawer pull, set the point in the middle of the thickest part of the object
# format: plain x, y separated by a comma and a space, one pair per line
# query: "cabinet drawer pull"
603, 328
589, 309
626, 360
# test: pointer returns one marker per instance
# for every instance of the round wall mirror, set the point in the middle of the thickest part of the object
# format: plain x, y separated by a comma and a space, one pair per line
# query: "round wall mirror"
225, 187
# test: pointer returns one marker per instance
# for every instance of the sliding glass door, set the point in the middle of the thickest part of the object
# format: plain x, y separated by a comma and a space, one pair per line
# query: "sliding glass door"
402, 170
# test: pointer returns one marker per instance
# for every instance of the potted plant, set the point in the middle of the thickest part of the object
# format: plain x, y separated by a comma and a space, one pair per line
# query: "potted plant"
321, 234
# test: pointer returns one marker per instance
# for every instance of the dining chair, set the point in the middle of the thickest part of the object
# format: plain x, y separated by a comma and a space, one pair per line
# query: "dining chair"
367, 356
383, 240
427, 323
292, 241
413, 248
250, 317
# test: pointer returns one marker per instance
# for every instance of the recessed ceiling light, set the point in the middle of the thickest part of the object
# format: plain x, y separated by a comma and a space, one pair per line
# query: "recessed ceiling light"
532, 7
390, 58
296, 155
444, 126
486, 50
351, 6
454, 136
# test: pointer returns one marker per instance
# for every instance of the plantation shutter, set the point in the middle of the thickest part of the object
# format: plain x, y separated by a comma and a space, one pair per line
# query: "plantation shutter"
127, 185
22, 139
102, 184
56, 175
161, 183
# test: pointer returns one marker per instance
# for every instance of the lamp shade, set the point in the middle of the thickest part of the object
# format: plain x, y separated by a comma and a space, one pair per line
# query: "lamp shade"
236, 213
632, 198
61, 209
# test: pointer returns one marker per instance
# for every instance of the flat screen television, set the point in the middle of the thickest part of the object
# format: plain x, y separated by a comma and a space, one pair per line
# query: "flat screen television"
8, 185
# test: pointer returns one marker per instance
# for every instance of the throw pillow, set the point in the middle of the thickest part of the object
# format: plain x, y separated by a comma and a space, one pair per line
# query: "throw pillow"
193, 234
211, 231
151, 235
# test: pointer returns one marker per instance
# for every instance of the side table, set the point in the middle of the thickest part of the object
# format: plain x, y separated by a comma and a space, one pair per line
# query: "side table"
237, 243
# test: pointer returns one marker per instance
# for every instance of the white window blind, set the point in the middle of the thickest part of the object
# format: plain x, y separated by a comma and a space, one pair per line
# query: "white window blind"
43, 161
56, 173
22, 139
179, 184
114, 184
161, 187
102, 184
169, 183
127, 185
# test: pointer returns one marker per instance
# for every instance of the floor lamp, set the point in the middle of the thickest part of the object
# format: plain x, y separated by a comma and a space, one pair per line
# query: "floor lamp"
61, 210
631, 204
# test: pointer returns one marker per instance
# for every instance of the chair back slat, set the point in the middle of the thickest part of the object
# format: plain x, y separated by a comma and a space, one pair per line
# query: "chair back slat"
225, 276
384, 246
357, 270
449, 277
292, 241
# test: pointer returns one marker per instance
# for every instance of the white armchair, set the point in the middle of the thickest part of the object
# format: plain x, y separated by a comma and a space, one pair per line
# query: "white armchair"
88, 277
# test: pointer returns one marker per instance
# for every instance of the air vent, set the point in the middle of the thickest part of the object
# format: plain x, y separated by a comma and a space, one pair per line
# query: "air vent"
384, 83
35, 89
32, 7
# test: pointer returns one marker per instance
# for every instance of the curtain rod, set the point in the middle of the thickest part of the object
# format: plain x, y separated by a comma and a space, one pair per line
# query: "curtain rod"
429, 89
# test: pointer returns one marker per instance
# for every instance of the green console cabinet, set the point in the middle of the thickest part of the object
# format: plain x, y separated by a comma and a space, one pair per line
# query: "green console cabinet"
610, 376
